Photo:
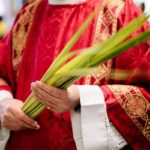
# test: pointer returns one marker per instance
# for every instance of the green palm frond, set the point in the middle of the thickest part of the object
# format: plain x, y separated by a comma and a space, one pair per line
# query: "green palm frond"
62, 74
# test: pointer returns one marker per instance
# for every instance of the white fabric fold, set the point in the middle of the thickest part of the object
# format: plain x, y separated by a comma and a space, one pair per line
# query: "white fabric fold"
63, 2
92, 130
4, 133
4, 136
93, 110
115, 140
76, 126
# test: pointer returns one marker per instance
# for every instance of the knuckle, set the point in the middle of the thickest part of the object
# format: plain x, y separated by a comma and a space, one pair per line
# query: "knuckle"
51, 91
30, 121
3, 123
21, 124
9, 109
26, 119
6, 116
21, 116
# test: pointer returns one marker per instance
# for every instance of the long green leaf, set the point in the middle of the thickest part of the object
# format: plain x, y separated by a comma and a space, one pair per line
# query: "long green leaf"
109, 44
68, 47
103, 51
106, 55
52, 70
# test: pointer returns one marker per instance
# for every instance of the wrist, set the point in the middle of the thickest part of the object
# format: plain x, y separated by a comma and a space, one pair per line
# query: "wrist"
5, 94
74, 95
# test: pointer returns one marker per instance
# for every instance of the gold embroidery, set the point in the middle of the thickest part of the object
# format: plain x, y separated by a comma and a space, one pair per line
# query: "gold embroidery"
106, 27
135, 105
21, 31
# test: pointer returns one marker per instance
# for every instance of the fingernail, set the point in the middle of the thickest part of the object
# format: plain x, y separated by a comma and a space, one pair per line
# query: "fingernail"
38, 82
33, 85
35, 124
38, 127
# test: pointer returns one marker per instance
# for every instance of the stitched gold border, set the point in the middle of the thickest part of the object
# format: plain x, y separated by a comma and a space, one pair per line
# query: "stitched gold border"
110, 15
135, 105
21, 31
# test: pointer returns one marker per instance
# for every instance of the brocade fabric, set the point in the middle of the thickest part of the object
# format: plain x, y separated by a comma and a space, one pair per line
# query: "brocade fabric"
39, 34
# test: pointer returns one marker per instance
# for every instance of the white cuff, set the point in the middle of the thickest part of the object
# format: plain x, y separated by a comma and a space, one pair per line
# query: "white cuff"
92, 129
93, 108
4, 133
5, 94
77, 130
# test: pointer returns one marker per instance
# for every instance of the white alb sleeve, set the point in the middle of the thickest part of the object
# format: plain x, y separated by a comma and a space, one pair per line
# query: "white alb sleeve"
4, 133
92, 130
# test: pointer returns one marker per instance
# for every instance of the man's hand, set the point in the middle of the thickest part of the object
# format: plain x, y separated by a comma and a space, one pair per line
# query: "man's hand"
13, 118
56, 99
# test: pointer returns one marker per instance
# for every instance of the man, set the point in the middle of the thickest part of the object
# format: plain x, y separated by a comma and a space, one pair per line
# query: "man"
41, 30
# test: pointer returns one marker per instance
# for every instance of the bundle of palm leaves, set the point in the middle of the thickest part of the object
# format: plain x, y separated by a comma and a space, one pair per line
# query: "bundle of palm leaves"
63, 73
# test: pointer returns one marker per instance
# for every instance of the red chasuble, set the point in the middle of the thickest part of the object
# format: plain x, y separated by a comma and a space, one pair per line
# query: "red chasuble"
38, 35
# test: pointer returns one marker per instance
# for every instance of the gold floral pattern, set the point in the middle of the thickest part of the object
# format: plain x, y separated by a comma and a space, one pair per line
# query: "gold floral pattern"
21, 31
106, 27
135, 105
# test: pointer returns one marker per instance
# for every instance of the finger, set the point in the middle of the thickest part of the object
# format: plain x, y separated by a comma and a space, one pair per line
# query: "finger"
55, 92
16, 124
14, 128
30, 123
56, 108
11, 120
44, 96
19, 114
26, 125
50, 102
50, 105
53, 109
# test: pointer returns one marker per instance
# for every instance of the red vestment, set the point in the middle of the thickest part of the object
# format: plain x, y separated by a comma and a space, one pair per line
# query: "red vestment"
40, 32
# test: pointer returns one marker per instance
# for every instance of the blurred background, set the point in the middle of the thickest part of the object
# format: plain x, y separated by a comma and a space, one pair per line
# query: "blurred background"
144, 5
9, 9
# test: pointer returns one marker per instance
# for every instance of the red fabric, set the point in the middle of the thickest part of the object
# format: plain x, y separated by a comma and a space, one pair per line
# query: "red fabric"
5, 64
135, 59
124, 123
6, 87
52, 27
135, 129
